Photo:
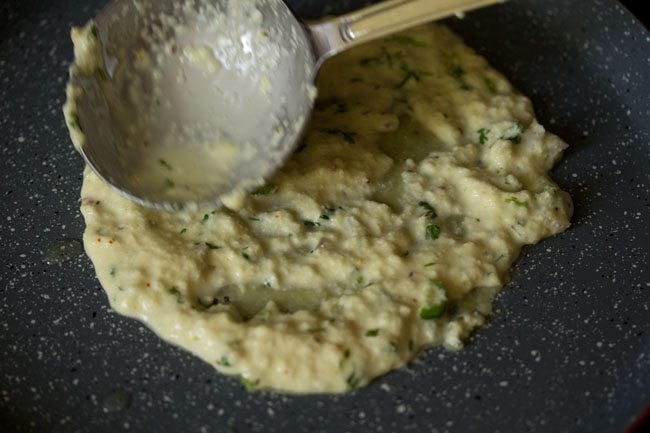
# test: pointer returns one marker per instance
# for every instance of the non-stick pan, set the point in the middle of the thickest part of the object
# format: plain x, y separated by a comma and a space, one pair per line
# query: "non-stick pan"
567, 350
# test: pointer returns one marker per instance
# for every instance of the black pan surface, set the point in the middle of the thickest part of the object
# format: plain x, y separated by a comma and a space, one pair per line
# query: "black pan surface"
568, 349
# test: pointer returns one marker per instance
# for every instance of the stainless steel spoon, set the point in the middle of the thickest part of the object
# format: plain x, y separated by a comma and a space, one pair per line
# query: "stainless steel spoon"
192, 100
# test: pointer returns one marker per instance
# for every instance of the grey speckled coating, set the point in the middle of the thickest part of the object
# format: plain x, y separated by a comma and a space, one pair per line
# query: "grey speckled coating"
568, 349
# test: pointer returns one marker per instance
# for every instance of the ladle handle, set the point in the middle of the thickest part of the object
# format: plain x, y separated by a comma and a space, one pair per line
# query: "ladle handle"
333, 35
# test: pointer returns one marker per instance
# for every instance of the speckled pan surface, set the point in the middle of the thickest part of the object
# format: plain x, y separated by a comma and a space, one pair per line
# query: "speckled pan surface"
568, 349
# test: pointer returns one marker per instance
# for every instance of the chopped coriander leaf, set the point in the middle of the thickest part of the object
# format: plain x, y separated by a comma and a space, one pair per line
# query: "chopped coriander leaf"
324, 217
410, 345
94, 31
408, 75
244, 254
553, 192
205, 217
101, 74
407, 40
165, 164
346, 355
174, 291
520, 203
113, 271
372, 332
431, 212
430, 313
254, 218
483, 135
73, 121
352, 380
183, 230
310, 224
265, 190
212, 246
513, 133
429, 264
432, 231
249, 384
224, 361
458, 73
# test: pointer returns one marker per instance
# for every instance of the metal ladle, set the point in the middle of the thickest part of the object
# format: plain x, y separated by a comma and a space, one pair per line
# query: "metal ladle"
195, 99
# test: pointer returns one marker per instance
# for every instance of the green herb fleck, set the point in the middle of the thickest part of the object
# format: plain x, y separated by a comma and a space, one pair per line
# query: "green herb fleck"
254, 218
249, 384
372, 332
73, 121
520, 203
432, 231
325, 217
101, 74
458, 73
384, 56
224, 361
165, 164
212, 246
410, 345
407, 40
266, 190
311, 224
483, 135
553, 191
408, 75
430, 313
169, 183
205, 217
513, 133
113, 270
429, 264
183, 230
94, 31
353, 380
346, 355
245, 255
431, 212
174, 291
